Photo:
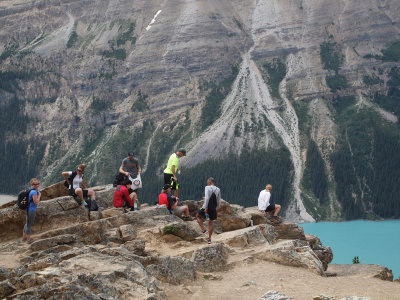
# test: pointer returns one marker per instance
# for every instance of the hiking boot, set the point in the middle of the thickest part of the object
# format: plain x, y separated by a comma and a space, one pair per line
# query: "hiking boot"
188, 218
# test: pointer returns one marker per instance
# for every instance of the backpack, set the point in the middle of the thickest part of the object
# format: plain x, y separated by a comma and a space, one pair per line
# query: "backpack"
212, 202
23, 199
70, 179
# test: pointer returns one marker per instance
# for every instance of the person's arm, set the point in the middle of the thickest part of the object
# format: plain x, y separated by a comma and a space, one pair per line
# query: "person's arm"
121, 170
139, 169
36, 198
173, 172
65, 175
206, 198
261, 202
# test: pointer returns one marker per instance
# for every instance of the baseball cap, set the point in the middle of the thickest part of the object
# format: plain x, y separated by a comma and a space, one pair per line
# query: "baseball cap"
183, 150
131, 154
166, 187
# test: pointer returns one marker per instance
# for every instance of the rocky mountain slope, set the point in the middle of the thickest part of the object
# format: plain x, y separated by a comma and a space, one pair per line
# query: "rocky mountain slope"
151, 254
300, 94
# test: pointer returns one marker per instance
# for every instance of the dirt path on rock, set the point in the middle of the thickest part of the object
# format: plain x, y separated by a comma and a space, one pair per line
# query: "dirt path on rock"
251, 281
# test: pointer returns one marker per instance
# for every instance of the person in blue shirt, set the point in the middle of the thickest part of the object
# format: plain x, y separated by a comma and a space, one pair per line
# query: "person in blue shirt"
34, 199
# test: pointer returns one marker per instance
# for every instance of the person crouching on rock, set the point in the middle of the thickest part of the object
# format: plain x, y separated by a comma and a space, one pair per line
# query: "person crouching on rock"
266, 205
122, 197
165, 198
33, 200
74, 180
212, 200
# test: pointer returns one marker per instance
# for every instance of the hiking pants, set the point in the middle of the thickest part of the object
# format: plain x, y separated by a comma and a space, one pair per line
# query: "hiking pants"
30, 220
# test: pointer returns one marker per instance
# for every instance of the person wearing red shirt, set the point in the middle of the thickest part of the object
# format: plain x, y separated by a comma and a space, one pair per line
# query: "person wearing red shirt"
122, 198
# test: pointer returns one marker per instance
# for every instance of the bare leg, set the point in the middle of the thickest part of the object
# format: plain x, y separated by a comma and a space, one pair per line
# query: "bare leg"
186, 210
200, 221
79, 193
134, 197
210, 228
91, 194
176, 192
277, 209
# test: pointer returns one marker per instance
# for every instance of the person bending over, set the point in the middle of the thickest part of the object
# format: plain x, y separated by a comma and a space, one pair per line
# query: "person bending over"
266, 205
122, 198
74, 180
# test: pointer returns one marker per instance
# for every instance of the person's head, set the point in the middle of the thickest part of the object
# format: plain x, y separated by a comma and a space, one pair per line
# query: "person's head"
166, 188
35, 183
268, 187
181, 152
210, 181
131, 155
81, 169
127, 183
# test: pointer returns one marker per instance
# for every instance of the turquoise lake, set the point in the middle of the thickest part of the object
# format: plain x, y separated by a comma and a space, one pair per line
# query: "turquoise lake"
374, 242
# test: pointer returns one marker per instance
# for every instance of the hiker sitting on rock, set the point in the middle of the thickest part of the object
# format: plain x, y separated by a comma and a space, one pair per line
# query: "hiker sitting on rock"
33, 201
171, 202
266, 205
74, 180
124, 196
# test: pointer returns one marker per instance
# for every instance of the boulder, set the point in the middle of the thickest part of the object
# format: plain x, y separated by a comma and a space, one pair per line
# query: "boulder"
364, 270
127, 232
289, 231
172, 270
137, 246
181, 230
53, 241
6, 289
232, 217
291, 253
274, 295
249, 236
210, 258
4, 273
324, 254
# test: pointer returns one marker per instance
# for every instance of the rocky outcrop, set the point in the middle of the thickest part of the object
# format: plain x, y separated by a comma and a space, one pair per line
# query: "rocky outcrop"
211, 258
375, 271
324, 253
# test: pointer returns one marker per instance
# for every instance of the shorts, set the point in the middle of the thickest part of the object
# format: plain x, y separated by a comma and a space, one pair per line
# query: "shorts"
71, 192
270, 207
212, 214
169, 179
178, 211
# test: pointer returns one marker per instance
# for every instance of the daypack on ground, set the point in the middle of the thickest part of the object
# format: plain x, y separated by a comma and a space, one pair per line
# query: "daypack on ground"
23, 199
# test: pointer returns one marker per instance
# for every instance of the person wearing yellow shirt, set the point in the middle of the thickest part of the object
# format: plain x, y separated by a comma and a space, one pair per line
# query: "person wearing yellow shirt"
171, 170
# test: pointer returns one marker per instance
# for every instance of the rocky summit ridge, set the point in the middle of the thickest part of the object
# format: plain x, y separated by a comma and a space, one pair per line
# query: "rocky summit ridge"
302, 92
151, 254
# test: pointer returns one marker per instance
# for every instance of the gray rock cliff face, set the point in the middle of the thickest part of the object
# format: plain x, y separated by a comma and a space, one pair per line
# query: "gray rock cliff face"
96, 79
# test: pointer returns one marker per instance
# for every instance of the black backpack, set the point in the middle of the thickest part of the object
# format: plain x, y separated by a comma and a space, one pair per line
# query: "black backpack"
23, 199
70, 179
212, 202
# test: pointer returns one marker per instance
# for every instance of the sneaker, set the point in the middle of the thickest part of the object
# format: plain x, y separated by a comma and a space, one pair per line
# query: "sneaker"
209, 241
84, 203
204, 233
101, 208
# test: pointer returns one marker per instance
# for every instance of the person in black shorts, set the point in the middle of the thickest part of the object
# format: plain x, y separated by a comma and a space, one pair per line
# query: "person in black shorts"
212, 200
266, 205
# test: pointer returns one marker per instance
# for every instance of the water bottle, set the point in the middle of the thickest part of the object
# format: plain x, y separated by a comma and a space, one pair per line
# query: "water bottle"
207, 217
135, 206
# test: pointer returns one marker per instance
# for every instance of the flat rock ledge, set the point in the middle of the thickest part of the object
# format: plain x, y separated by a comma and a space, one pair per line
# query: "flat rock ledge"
111, 254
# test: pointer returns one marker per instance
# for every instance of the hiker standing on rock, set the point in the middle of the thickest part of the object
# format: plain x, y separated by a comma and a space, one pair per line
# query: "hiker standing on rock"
33, 201
212, 200
266, 205
172, 169
74, 180
130, 166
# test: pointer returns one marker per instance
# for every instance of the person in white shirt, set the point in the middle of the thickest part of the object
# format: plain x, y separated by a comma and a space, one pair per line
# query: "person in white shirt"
212, 201
265, 205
